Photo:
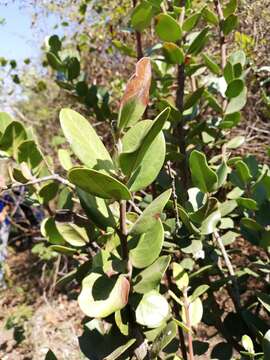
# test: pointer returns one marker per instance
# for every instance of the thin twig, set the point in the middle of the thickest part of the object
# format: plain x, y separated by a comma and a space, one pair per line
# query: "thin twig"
138, 38
222, 41
174, 196
188, 323
176, 310
54, 177
230, 269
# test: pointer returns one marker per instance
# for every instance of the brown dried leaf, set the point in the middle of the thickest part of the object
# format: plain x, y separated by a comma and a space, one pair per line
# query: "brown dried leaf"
139, 83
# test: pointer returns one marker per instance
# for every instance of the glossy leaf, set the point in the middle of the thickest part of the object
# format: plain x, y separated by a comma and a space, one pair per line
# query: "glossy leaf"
211, 64
173, 53
235, 142
98, 184
167, 28
198, 43
164, 338
29, 153
120, 350
230, 8
229, 24
202, 175
5, 120
73, 234
266, 345
48, 192
150, 278
193, 98
180, 276
209, 224
84, 141
148, 246
55, 62
234, 88
96, 209
152, 310
141, 16
136, 96
102, 296
237, 103
49, 230
151, 214
209, 16
12, 137
191, 22
195, 312
65, 159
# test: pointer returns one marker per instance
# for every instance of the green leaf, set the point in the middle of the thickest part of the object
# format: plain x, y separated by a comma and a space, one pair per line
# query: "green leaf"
211, 64
50, 356
235, 142
228, 72
136, 96
247, 203
180, 276
198, 43
247, 344
199, 291
48, 192
122, 326
164, 338
141, 16
243, 174
222, 172
209, 16
229, 237
49, 231
5, 120
173, 53
167, 28
234, 88
209, 225
230, 8
238, 57
231, 120
73, 68
63, 249
237, 103
152, 310
12, 137
98, 184
266, 345
150, 278
96, 209
55, 43
29, 153
84, 141
191, 22
151, 214
195, 312
265, 301
102, 296
147, 247
73, 234
55, 62
202, 176
193, 98
65, 159
144, 152
120, 350
229, 24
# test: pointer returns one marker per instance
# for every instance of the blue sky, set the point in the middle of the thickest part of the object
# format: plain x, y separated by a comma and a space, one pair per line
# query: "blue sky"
18, 40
